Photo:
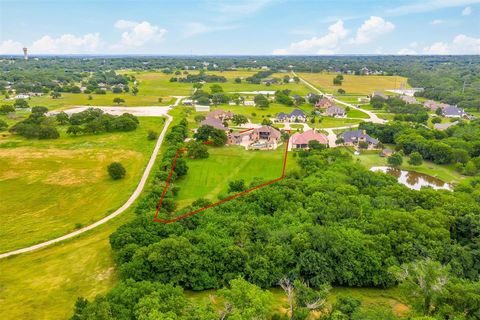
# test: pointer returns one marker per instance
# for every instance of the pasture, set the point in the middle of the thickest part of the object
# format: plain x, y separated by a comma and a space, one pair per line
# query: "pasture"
56, 186
354, 85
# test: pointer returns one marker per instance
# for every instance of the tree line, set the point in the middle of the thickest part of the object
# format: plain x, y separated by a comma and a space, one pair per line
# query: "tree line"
330, 222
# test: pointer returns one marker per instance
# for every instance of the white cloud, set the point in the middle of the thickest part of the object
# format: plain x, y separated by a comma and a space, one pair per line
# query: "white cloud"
436, 48
371, 29
10, 47
467, 11
137, 34
466, 45
461, 44
245, 7
194, 28
437, 21
405, 51
428, 6
326, 44
67, 44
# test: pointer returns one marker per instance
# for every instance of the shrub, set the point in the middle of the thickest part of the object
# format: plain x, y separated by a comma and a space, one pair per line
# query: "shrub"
116, 170
3, 125
152, 135
6, 109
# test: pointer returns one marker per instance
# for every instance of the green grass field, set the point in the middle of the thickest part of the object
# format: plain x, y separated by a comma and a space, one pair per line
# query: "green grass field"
354, 113
45, 284
55, 186
208, 178
158, 83
361, 85
329, 122
68, 100
443, 172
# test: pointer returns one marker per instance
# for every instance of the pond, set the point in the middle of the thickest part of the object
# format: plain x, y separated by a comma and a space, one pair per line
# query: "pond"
414, 180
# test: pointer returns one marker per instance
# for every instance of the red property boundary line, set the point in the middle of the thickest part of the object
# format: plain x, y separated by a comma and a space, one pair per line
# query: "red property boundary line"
191, 213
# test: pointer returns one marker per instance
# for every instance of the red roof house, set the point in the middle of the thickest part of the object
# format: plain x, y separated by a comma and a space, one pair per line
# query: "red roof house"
300, 140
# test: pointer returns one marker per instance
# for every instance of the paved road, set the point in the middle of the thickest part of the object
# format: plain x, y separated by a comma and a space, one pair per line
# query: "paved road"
117, 212
372, 116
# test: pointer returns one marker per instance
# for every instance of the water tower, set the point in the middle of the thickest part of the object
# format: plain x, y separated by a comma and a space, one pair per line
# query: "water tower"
25, 53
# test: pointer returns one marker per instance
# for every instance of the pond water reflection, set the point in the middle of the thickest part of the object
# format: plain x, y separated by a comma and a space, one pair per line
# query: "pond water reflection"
414, 180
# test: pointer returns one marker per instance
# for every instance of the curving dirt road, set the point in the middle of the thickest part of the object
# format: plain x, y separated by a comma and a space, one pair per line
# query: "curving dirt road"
120, 210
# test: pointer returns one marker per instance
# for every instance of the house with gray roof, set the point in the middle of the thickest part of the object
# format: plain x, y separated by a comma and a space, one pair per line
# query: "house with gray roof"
453, 112
296, 115
217, 124
353, 138
335, 111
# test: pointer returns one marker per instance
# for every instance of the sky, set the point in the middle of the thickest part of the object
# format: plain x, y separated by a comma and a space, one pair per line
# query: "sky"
240, 27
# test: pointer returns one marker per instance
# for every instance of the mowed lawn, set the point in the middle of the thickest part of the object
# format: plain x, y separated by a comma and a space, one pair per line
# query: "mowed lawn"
362, 85
329, 122
52, 187
445, 173
208, 178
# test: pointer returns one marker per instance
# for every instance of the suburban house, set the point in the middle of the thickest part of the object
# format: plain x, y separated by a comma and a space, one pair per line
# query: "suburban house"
323, 103
301, 140
294, 116
335, 111
22, 96
310, 96
444, 126
408, 99
221, 115
298, 115
282, 117
270, 81
249, 103
453, 112
352, 138
267, 133
217, 124
433, 105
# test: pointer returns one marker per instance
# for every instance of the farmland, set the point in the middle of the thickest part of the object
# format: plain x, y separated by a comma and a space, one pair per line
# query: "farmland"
60, 185
362, 85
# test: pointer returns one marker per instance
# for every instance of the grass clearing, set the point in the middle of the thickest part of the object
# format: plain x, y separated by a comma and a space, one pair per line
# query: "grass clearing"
56, 186
445, 173
68, 100
371, 298
354, 85
208, 178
